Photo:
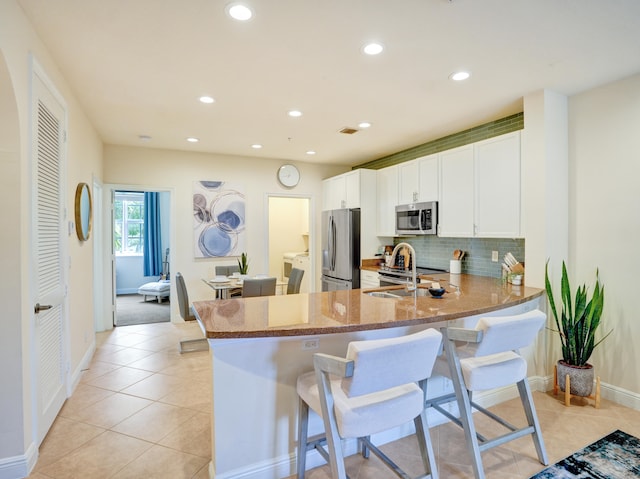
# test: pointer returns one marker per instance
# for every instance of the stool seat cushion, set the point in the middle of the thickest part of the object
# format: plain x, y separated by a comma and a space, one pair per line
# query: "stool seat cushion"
368, 414
494, 371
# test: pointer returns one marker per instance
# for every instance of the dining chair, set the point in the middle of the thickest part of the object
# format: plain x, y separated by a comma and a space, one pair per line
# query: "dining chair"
258, 287
485, 358
228, 270
371, 390
186, 311
295, 279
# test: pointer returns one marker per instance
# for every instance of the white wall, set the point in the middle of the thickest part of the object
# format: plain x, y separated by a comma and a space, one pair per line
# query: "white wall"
604, 145
18, 44
178, 170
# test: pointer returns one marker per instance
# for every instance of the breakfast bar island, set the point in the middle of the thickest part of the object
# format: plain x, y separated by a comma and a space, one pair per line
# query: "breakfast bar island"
259, 346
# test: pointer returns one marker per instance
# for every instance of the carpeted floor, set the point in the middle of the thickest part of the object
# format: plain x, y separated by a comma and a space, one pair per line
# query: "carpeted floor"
615, 456
132, 309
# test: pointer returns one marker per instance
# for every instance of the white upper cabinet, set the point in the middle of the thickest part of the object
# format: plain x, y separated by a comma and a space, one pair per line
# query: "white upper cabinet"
497, 188
347, 190
455, 209
480, 189
387, 186
334, 192
429, 178
408, 190
418, 180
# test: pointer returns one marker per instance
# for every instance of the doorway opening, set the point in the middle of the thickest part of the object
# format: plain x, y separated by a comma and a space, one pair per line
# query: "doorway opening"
141, 256
289, 238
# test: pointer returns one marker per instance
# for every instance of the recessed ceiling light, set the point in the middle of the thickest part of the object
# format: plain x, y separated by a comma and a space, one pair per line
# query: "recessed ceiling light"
364, 124
239, 11
294, 113
256, 146
145, 138
206, 99
459, 76
191, 139
311, 152
373, 48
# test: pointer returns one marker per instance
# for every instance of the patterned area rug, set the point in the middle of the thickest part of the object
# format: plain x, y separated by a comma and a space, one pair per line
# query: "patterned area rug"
616, 456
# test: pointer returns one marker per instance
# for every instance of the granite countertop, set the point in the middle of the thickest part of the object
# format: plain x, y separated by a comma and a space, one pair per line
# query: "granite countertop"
352, 310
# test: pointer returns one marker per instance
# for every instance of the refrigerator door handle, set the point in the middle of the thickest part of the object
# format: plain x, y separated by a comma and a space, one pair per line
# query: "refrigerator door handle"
334, 244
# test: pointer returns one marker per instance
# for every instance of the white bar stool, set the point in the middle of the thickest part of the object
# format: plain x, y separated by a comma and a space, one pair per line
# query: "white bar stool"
371, 390
488, 358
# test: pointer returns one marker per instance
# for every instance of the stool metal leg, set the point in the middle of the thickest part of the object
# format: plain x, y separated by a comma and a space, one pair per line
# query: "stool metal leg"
465, 408
303, 427
532, 420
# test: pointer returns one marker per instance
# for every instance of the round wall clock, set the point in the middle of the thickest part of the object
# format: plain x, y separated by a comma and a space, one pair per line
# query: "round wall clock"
288, 176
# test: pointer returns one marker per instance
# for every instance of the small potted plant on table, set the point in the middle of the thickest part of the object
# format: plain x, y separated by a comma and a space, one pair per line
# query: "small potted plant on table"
243, 265
577, 325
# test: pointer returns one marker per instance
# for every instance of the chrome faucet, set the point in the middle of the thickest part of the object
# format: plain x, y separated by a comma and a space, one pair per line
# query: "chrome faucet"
414, 284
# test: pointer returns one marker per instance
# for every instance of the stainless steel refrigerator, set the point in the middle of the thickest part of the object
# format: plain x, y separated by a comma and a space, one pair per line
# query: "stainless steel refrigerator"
341, 249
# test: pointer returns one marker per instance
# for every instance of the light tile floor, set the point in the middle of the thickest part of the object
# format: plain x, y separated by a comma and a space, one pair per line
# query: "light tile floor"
142, 410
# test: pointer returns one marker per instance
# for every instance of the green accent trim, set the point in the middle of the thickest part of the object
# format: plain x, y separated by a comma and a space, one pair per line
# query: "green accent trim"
488, 130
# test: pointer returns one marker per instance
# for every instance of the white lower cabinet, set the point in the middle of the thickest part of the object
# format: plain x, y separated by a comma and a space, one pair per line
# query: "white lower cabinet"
369, 279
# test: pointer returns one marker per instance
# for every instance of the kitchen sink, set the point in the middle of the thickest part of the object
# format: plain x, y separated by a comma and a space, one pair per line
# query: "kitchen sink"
397, 293
382, 294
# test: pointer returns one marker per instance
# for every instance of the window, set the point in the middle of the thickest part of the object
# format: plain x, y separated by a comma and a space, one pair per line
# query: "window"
128, 225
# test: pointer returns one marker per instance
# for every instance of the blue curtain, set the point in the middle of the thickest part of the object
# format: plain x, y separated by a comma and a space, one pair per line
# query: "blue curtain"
152, 235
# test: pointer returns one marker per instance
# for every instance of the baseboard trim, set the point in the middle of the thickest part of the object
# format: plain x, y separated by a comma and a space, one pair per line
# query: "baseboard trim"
17, 467
74, 378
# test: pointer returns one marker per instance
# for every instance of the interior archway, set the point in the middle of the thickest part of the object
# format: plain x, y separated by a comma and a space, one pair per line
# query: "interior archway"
11, 340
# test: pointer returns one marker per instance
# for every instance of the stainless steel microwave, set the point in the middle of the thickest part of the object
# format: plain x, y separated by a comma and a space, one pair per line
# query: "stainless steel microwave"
417, 218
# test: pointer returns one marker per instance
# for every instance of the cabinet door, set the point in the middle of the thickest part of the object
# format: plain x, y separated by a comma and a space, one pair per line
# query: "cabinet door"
352, 189
497, 200
369, 279
455, 215
334, 193
326, 195
428, 178
408, 182
387, 186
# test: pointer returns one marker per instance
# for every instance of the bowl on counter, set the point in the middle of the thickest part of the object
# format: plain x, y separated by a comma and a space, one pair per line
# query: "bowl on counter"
437, 292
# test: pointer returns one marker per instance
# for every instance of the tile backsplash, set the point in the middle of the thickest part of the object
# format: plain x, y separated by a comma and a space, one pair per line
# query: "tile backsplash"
435, 252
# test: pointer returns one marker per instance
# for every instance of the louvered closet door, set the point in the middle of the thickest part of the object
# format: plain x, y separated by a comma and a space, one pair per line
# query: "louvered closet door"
48, 153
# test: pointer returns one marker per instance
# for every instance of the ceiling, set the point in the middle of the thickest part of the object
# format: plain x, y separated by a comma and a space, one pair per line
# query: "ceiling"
138, 68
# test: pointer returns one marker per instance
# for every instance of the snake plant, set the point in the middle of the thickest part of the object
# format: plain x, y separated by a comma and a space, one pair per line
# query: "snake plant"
243, 263
579, 319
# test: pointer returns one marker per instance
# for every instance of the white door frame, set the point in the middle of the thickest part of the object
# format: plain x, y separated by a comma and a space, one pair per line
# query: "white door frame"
106, 256
312, 236
44, 414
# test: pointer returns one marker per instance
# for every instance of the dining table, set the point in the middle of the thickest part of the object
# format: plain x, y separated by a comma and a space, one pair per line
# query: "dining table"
222, 285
